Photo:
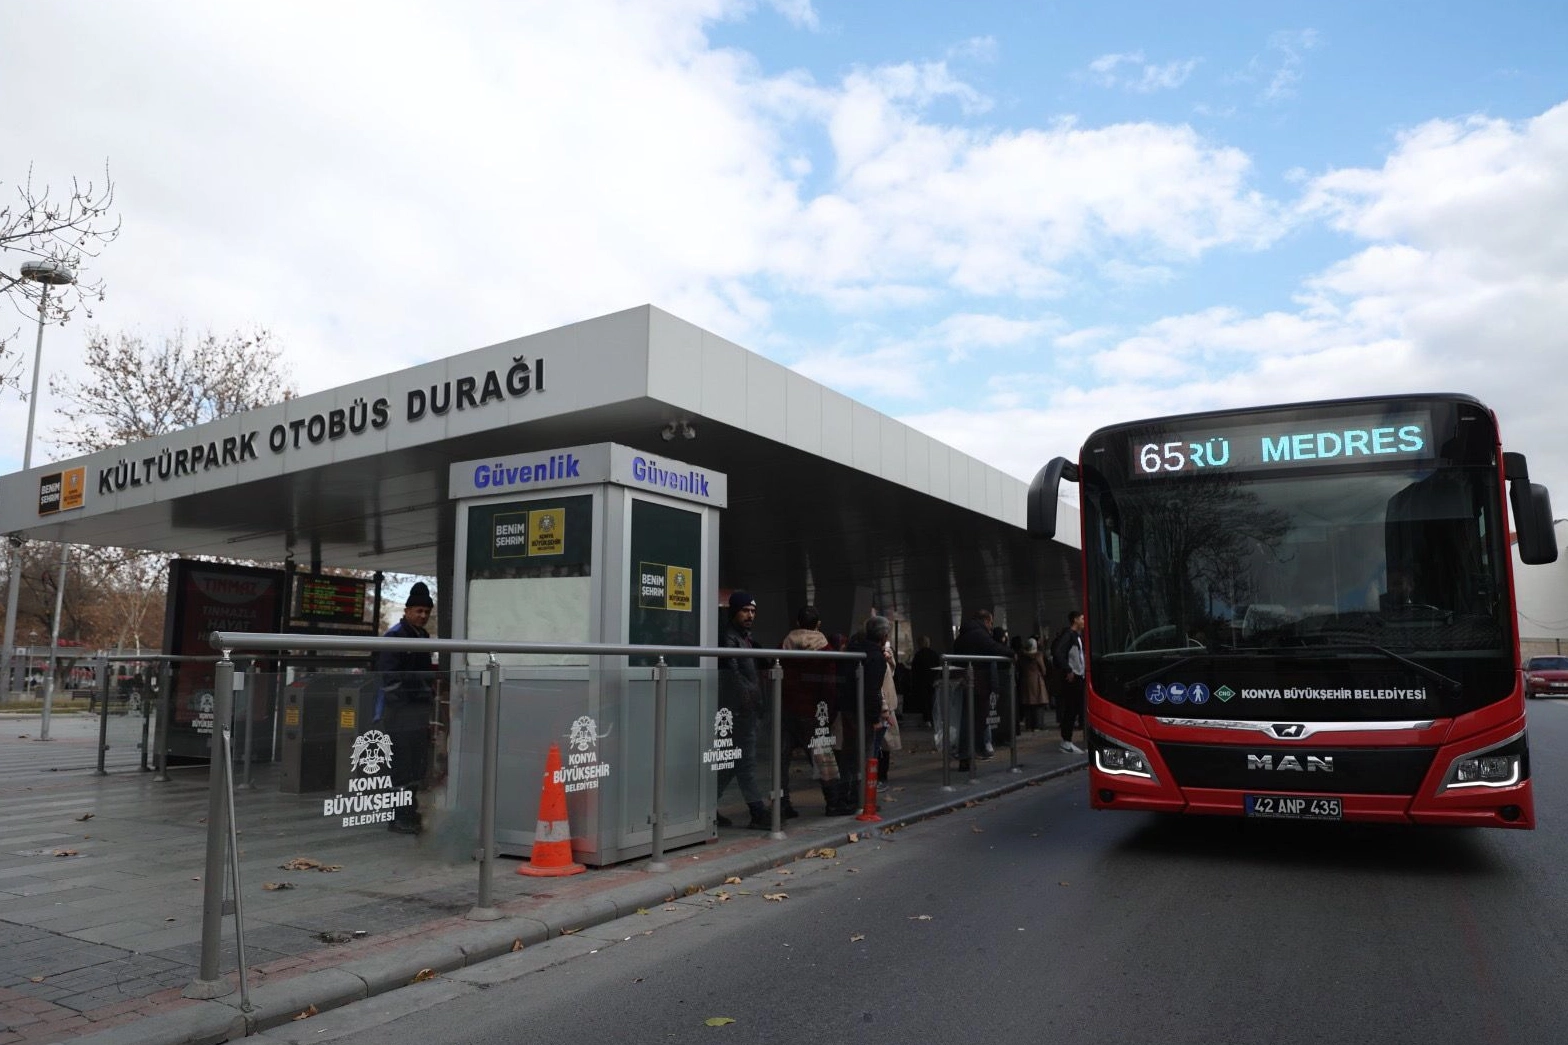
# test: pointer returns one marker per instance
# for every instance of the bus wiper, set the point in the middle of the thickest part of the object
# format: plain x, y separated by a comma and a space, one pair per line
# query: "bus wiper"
1415, 666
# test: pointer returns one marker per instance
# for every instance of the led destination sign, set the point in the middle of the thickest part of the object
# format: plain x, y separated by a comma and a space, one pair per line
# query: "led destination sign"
1321, 442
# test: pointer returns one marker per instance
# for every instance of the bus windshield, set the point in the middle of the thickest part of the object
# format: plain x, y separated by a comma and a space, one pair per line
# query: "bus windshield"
1400, 565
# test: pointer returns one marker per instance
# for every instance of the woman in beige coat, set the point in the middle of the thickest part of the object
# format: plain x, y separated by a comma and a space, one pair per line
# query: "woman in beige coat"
1032, 694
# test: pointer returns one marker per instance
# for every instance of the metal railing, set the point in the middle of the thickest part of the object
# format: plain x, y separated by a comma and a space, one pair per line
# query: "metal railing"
220, 793
967, 726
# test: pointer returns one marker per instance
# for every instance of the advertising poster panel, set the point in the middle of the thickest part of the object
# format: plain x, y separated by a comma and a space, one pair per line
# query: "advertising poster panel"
205, 597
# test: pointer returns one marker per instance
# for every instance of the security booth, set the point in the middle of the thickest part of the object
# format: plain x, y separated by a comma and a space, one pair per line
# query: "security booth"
599, 543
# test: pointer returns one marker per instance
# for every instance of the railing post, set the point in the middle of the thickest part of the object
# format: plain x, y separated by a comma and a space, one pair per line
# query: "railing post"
776, 678
860, 727
661, 705
146, 728
1013, 711
160, 743
969, 718
485, 910
947, 724
248, 702
207, 983
102, 667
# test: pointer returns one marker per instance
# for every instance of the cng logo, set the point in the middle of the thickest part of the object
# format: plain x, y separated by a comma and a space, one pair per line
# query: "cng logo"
1224, 693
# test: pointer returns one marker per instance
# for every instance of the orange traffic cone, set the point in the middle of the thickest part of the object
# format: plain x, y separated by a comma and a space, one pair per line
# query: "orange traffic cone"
551, 856
869, 813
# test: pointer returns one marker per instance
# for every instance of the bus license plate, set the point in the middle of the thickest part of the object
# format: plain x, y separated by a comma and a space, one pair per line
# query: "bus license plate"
1294, 807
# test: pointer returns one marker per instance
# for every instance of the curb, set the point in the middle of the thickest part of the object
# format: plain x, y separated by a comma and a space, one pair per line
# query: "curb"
275, 1004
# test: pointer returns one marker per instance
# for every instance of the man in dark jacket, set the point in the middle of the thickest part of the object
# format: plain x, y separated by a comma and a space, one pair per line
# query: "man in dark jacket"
405, 703
740, 692
923, 679
1067, 660
975, 639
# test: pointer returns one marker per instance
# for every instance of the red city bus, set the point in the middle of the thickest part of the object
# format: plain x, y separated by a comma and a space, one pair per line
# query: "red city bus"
1306, 611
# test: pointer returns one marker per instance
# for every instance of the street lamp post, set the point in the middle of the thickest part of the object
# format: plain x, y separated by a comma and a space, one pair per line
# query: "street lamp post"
47, 274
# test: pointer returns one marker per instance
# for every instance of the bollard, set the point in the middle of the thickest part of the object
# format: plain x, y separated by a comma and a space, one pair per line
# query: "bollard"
869, 811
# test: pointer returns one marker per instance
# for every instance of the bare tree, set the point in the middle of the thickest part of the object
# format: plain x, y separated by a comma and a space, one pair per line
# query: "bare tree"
129, 391
38, 226
126, 391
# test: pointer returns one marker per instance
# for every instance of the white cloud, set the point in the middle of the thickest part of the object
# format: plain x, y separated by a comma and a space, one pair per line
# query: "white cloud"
799, 12
1131, 72
1461, 285
1279, 67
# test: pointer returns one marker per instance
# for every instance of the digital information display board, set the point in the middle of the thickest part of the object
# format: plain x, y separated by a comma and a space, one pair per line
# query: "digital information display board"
1282, 445
332, 602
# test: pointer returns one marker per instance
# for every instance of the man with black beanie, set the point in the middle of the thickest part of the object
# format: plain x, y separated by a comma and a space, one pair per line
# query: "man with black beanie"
740, 692
405, 702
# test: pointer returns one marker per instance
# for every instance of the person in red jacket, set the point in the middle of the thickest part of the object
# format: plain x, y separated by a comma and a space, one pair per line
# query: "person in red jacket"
811, 702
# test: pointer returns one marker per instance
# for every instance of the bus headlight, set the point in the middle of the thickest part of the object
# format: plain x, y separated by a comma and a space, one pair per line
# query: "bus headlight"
1501, 765
1497, 770
1119, 759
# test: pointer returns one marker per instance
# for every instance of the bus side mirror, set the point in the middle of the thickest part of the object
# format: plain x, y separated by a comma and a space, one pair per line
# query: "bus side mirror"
1532, 506
1043, 495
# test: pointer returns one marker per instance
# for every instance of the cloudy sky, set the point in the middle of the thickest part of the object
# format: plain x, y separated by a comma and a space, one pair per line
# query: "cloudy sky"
1006, 223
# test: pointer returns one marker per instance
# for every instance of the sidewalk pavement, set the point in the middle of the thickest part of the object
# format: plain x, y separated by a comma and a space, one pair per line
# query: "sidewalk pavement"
101, 895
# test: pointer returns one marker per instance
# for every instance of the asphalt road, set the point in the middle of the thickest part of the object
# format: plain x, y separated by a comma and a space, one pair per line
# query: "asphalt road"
1033, 919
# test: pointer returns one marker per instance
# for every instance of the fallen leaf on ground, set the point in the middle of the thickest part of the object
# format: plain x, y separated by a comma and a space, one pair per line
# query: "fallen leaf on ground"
424, 974
717, 1021
693, 890
301, 863
732, 880
273, 887
308, 1013
642, 910
825, 853
920, 917
571, 932
785, 870
978, 830
854, 836
35, 979
517, 945
1062, 883
857, 937
775, 896
722, 896
65, 852
86, 816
